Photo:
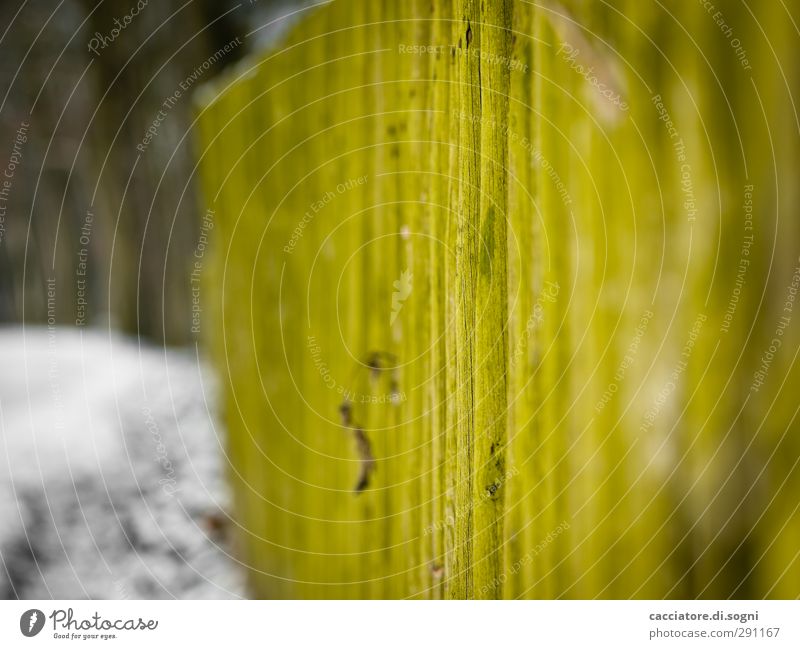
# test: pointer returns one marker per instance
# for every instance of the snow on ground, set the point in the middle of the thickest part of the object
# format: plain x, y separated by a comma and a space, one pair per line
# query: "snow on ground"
111, 470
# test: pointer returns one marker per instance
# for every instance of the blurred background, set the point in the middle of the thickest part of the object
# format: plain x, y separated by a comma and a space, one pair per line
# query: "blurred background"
86, 114
111, 468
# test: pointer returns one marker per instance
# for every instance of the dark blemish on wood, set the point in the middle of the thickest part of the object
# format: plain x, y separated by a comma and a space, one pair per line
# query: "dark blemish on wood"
367, 465
394, 391
469, 35
377, 363
346, 413
459, 42
373, 364
363, 447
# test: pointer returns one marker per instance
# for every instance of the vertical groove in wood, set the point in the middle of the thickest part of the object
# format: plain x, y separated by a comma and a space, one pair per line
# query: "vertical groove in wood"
521, 498
491, 297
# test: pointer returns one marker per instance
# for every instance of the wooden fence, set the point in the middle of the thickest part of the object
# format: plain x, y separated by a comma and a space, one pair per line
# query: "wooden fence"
494, 289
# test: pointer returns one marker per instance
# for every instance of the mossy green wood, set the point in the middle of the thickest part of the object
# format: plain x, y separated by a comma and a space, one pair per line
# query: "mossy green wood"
502, 303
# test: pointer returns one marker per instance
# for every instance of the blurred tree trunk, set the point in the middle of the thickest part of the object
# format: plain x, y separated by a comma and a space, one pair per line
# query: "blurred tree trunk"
87, 112
147, 197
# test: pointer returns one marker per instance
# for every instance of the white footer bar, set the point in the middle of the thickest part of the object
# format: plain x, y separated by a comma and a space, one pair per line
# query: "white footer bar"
406, 624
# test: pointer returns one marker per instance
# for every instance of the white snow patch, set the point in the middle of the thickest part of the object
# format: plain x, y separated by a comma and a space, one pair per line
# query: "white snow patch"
111, 470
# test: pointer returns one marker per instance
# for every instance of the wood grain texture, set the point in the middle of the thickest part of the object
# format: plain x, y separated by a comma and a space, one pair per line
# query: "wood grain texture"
517, 313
